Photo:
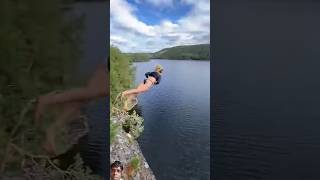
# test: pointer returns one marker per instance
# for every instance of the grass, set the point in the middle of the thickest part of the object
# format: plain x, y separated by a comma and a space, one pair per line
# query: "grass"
133, 125
135, 162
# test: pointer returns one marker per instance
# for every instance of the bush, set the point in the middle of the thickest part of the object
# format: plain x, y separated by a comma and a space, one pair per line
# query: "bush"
133, 124
121, 73
135, 162
38, 48
46, 169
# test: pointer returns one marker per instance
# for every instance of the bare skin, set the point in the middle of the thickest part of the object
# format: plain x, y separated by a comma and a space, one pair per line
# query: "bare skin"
71, 101
141, 87
131, 94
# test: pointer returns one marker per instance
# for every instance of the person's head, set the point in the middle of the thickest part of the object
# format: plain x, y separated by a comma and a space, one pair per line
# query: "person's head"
116, 170
159, 69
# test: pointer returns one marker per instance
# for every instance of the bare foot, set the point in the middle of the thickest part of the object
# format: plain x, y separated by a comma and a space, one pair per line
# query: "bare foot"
125, 105
123, 94
38, 111
40, 106
49, 144
130, 102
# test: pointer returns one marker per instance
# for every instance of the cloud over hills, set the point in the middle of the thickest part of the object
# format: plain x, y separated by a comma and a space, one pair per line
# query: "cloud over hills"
132, 33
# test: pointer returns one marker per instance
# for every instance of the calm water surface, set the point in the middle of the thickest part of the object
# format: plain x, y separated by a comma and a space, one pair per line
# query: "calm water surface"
267, 118
176, 135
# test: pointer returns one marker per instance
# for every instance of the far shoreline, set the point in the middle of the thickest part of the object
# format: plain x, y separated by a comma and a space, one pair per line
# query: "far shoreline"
188, 52
136, 61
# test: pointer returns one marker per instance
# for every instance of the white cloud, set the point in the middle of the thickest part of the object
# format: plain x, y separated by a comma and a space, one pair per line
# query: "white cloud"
198, 20
132, 35
121, 12
118, 39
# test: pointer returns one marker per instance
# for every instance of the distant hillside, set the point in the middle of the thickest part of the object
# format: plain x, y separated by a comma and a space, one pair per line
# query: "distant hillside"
194, 52
136, 57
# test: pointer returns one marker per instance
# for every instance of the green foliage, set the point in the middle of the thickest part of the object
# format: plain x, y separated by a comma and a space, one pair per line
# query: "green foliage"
38, 48
194, 52
121, 73
78, 171
135, 162
139, 57
44, 168
133, 124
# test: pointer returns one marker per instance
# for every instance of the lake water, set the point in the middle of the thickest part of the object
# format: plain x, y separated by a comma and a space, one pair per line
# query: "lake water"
266, 120
176, 136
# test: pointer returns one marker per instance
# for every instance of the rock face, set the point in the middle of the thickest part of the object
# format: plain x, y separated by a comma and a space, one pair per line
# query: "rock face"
125, 148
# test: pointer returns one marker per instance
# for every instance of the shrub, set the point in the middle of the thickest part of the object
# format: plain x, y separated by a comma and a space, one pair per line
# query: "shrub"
133, 124
135, 162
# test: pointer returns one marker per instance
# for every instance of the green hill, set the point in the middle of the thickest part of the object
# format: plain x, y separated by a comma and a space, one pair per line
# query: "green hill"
194, 52
137, 57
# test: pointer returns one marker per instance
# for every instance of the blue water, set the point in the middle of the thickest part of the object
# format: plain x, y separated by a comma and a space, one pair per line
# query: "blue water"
266, 121
176, 137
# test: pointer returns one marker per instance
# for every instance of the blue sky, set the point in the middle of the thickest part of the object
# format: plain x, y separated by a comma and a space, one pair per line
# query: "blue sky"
151, 25
152, 14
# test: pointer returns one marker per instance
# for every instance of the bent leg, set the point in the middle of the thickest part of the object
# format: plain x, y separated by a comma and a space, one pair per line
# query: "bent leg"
99, 83
140, 89
73, 95
96, 87
70, 111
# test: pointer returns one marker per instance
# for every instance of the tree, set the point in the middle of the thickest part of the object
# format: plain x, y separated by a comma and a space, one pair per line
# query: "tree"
38, 47
121, 73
